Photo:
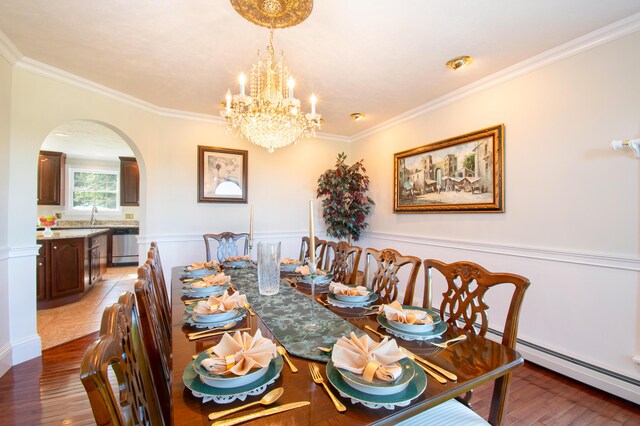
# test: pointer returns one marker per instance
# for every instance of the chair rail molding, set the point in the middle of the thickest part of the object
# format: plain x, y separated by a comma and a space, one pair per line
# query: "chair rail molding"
554, 255
185, 238
23, 251
4, 253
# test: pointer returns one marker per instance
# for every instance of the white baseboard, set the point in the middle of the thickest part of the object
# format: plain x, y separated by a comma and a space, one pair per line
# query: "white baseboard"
26, 348
5, 359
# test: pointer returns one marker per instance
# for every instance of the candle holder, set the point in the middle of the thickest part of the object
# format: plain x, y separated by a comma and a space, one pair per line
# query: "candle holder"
313, 325
250, 249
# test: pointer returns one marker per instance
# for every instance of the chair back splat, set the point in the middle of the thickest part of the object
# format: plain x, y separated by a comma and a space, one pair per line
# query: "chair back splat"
121, 348
342, 261
463, 305
227, 245
384, 279
320, 250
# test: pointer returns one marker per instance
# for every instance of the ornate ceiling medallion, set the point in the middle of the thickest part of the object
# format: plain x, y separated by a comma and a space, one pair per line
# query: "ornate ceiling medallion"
274, 13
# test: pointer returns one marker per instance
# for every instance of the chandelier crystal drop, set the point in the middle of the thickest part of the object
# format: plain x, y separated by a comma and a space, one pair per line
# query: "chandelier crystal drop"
270, 116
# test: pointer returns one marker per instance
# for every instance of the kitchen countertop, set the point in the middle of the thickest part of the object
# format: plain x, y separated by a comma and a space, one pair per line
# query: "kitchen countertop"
62, 224
71, 233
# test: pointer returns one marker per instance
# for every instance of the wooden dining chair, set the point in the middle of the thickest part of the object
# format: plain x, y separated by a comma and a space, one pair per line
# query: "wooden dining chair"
159, 287
342, 261
320, 249
227, 245
463, 305
156, 336
120, 349
384, 278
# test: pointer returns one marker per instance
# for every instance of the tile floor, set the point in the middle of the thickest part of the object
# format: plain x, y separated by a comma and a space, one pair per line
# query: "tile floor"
68, 322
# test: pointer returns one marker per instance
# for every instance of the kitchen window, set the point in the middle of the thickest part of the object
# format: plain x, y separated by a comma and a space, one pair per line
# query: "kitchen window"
88, 188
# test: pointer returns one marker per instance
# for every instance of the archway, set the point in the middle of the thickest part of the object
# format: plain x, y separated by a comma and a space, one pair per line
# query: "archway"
90, 177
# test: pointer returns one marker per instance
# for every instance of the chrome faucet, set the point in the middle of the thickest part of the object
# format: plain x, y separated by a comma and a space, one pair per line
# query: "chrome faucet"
94, 210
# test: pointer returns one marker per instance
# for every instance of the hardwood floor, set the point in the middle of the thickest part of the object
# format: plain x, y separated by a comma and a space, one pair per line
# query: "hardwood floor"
48, 391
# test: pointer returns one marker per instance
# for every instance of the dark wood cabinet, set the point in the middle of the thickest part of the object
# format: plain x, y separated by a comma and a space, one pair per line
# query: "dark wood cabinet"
51, 177
129, 182
67, 267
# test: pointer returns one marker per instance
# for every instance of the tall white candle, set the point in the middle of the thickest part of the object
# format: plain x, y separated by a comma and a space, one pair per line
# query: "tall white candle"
312, 237
228, 101
291, 84
242, 79
313, 104
251, 224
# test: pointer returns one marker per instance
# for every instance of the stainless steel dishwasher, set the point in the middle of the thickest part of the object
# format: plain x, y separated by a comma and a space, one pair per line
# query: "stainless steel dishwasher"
124, 246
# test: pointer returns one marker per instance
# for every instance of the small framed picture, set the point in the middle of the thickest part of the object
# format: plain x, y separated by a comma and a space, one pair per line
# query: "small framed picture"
222, 175
461, 174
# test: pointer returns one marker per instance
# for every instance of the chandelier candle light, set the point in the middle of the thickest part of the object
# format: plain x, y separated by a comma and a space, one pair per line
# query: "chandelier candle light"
270, 116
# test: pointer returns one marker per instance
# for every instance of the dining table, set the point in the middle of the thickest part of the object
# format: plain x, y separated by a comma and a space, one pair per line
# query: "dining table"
282, 318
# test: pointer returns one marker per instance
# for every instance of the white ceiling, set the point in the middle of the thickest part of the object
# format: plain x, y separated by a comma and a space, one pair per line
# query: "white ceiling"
380, 57
88, 140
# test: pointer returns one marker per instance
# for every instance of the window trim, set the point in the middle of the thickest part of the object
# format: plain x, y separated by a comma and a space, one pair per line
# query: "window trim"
70, 187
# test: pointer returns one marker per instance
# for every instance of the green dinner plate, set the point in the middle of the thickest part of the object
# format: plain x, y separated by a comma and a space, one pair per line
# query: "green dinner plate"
192, 381
372, 298
416, 386
381, 387
440, 328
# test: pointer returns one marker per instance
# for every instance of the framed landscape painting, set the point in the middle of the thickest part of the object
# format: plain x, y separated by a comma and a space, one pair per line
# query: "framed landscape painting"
460, 174
222, 175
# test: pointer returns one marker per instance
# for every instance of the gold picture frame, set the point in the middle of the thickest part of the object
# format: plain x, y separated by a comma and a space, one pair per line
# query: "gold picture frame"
463, 174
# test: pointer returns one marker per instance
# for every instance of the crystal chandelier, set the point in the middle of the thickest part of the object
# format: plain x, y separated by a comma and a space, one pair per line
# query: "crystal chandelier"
270, 116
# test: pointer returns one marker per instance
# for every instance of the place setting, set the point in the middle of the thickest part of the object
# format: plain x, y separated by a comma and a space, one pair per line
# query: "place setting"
240, 365
410, 322
198, 270
305, 280
215, 312
237, 262
206, 286
374, 374
350, 296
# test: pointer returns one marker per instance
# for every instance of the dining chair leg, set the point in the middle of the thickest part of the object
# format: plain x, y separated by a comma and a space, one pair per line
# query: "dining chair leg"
499, 399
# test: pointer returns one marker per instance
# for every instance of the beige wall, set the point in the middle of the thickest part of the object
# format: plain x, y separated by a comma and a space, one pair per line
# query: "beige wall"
5, 120
571, 215
280, 184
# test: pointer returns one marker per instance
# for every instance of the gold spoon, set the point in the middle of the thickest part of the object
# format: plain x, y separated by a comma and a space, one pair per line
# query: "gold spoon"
322, 302
268, 399
283, 352
323, 349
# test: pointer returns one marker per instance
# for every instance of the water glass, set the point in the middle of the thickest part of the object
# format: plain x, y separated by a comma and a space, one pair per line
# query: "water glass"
268, 268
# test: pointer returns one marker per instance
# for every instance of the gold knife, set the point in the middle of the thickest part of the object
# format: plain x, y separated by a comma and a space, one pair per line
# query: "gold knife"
433, 374
216, 333
263, 413
440, 370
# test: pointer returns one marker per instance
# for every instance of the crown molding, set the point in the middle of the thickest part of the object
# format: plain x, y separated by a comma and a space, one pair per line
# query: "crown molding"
8, 50
588, 41
46, 70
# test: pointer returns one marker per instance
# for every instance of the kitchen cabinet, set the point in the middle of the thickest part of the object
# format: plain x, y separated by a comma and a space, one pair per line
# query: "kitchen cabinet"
51, 178
129, 182
69, 264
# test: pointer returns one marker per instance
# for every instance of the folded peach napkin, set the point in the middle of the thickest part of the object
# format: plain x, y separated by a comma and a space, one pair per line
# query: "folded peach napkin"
364, 356
394, 312
289, 261
339, 288
211, 280
224, 303
236, 258
304, 270
240, 353
201, 265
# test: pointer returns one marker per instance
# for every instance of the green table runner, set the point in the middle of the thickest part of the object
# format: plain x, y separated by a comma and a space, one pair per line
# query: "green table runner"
287, 313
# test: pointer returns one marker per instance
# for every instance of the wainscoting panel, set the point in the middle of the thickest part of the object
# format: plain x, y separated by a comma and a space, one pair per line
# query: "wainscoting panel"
579, 316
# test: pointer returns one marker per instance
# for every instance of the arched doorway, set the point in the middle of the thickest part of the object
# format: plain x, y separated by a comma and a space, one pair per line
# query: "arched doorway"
88, 186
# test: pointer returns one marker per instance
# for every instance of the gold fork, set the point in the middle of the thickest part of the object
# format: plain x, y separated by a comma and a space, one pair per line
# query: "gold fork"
317, 378
450, 342
377, 332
